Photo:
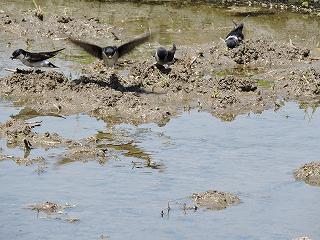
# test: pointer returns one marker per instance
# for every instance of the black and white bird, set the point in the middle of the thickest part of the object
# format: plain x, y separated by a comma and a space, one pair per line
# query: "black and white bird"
35, 60
111, 54
235, 37
164, 56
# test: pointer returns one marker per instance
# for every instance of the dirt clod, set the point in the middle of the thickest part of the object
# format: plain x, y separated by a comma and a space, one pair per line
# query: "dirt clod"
215, 200
309, 173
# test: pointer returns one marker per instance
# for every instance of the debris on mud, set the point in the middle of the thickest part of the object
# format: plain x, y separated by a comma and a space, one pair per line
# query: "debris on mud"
309, 173
215, 200
211, 200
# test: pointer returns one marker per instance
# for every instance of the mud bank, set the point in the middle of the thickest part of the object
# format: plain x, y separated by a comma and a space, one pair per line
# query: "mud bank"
250, 78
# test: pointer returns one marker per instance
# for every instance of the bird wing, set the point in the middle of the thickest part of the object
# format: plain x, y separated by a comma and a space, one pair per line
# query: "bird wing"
127, 47
171, 52
237, 31
92, 49
37, 57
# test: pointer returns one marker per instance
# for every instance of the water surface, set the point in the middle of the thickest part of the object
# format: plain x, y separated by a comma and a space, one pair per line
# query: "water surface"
253, 157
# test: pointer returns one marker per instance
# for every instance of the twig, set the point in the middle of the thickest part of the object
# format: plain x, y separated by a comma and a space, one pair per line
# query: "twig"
61, 38
34, 124
10, 70
193, 60
291, 43
115, 36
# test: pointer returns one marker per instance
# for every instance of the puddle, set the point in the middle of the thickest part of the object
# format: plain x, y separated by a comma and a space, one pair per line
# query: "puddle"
7, 110
253, 156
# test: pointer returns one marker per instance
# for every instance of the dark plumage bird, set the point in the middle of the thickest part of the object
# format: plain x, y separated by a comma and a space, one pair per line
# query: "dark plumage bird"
235, 37
35, 60
164, 56
111, 54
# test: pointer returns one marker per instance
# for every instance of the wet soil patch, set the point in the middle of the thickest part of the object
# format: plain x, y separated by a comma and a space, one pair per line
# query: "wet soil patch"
215, 200
138, 92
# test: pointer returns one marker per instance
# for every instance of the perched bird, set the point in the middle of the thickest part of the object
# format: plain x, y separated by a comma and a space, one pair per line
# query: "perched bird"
164, 56
235, 37
35, 60
111, 54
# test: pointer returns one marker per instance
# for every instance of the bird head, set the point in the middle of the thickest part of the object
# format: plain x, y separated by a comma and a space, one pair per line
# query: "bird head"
17, 53
232, 42
110, 51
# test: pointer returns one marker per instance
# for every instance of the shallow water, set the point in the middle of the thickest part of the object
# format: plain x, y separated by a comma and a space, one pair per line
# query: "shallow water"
253, 156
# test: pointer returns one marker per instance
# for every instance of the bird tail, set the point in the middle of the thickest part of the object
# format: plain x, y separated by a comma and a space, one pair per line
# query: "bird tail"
59, 50
52, 65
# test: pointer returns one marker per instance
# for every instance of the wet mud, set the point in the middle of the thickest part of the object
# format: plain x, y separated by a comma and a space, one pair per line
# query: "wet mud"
309, 173
209, 78
215, 200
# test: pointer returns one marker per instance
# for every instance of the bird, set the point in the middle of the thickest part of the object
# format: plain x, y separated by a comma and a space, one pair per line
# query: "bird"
235, 37
111, 54
35, 60
164, 56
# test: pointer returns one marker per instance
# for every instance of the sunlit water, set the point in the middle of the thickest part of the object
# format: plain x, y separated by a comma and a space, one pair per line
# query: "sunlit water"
253, 157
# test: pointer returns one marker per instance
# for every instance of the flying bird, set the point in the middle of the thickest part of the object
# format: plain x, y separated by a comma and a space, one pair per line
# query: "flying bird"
164, 56
235, 37
111, 54
35, 60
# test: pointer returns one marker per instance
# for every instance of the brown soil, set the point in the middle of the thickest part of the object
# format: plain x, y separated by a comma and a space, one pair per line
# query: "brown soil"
309, 173
215, 200
210, 80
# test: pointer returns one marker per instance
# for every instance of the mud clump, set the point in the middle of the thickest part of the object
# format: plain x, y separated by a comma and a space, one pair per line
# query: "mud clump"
306, 81
47, 207
64, 19
54, 211
309, 173
235, 83
84, 153
215, 200
17, 132
266, 51
36, 83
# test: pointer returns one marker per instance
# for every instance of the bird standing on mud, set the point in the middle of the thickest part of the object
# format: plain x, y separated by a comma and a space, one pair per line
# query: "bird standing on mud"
235, 37
111, 54
35, 60
164, 56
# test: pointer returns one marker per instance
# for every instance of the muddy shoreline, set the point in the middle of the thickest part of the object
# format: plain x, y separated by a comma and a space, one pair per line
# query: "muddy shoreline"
254, 77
